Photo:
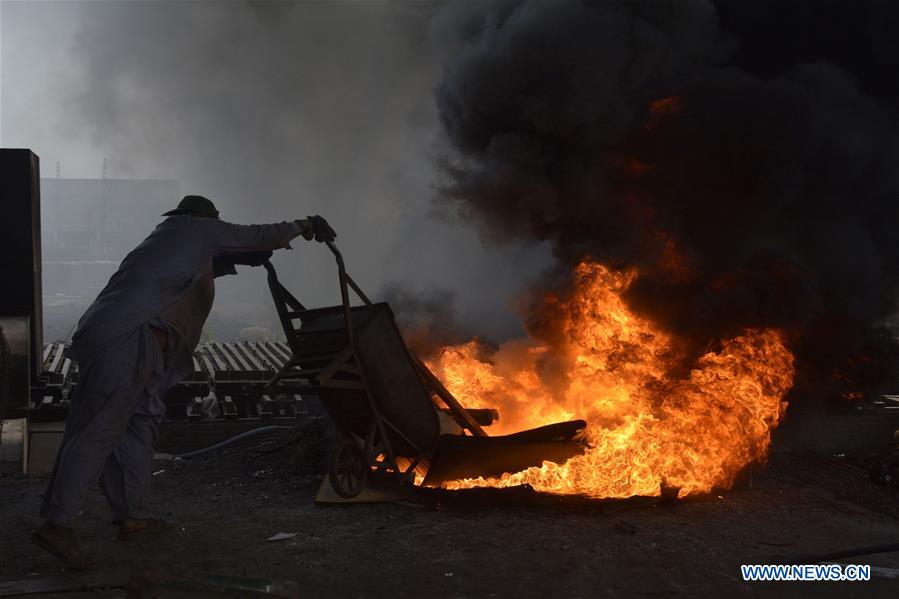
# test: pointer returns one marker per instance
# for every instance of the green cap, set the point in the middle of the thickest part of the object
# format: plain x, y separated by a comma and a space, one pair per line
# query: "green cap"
195, 205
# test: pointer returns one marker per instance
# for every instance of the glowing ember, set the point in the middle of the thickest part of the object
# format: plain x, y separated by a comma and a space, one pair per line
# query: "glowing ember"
613, 369
660, 109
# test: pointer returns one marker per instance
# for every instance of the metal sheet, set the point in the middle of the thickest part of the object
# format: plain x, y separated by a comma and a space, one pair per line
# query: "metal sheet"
393, 380
459, 457
375, 491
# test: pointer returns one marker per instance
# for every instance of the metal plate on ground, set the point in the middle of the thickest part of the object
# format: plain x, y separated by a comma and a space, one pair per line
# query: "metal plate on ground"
377, 490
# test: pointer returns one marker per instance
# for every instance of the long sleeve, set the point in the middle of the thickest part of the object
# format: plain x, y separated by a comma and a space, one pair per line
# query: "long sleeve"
225, 264
229, 238
222, 265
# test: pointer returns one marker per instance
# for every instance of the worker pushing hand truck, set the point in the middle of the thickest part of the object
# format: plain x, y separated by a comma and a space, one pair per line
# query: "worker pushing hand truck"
132, 344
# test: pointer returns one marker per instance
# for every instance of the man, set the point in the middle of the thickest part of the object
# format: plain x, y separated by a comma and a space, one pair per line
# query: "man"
134, 342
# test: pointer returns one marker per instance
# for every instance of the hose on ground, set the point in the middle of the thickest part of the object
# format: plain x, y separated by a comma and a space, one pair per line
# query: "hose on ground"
233, 440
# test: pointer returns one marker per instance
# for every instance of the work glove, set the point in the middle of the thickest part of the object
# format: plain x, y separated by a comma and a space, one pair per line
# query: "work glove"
321, 230
308, 231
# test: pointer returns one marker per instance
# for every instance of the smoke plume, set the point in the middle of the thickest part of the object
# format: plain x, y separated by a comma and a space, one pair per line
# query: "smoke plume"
749, 185
427, 317
274, 110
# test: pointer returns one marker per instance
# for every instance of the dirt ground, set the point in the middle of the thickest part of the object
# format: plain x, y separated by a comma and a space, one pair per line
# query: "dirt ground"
479, 543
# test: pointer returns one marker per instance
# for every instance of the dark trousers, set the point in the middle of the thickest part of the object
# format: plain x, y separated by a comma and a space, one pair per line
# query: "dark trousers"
111, 430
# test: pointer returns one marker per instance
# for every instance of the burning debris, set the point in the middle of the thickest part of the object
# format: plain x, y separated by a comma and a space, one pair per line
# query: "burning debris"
646, 429
723, 239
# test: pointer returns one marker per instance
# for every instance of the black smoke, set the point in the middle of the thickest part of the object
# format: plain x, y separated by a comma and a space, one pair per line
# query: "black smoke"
427, 317
742, 155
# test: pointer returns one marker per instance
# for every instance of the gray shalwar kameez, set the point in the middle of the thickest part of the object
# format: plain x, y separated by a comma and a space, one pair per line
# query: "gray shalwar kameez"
112, 426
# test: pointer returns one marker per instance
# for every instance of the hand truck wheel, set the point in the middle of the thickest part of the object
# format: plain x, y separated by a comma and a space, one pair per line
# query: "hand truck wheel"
349, 471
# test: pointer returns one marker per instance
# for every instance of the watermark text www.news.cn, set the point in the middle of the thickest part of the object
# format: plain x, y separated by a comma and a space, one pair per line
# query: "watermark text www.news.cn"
806, 572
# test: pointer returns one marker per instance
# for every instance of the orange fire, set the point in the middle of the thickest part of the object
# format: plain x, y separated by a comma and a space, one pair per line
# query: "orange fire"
646, 425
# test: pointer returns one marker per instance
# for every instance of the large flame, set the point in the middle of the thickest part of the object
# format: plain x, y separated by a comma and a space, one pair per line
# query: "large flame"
647, 427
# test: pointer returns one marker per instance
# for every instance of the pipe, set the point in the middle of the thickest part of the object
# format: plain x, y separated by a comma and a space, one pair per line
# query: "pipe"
232, 440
